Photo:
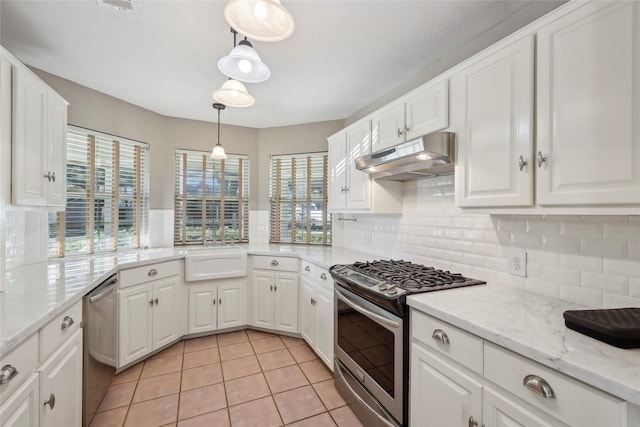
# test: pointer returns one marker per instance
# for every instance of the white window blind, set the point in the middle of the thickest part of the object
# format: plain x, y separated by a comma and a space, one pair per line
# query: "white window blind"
298, 198
211, 198
107, 195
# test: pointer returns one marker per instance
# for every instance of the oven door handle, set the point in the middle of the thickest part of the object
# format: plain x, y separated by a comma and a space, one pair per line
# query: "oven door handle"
380, 319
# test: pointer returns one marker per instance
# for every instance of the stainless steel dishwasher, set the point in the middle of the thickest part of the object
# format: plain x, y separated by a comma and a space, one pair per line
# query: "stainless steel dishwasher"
100, 332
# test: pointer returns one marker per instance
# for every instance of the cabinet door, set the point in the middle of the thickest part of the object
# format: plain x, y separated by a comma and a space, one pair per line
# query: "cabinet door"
29, 127
22, 409
441, 394
61, 385
263, 282
358, 183
337, 172
56, 146
427, 110
231, 306
496, 117
388, 127
587, 106
167, 312
324, 327
308, 311
499, 411
202, 309
286, 302
135, 307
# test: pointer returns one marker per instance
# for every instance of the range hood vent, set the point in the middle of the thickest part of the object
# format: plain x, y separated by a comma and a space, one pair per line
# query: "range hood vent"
424, 157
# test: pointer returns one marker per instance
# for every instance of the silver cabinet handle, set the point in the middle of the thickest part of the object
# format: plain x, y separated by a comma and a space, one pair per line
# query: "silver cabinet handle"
219, 301
214, 301
275, 288
342, 189
66, 322
539, 386
48, 176
472, 422
541, 159
7, 373
399, 133
274, 262
151, 301
440, 336
156, 301
53, 177
311, 301
522, 163
307, 268
152, 272
51, 402
271, 288
323, 276
406, 128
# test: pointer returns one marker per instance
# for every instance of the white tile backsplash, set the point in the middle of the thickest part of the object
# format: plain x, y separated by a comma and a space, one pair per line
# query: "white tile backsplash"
259, 226
591, 260
160, 228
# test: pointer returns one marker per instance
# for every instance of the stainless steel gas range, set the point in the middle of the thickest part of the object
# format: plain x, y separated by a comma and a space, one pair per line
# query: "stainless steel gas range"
372, 333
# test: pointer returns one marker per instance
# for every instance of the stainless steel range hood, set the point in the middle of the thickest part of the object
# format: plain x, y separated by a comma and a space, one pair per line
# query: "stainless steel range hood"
427, 156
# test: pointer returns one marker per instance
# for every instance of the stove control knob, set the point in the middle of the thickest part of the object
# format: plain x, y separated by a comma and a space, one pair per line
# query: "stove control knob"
383, 286
392, 290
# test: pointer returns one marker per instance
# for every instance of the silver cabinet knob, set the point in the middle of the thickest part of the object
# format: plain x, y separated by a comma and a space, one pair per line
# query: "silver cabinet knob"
219, 301
406, 128
472, 422
522, 163
440, 336
7, 373
323, 276
274, 262
152, 272
66, 322
155, 301
307, 268
151, 301
539, 386
275, 288
48, 176
541, 159
399, 133
53, 176
271, 288
51, 402
214, 301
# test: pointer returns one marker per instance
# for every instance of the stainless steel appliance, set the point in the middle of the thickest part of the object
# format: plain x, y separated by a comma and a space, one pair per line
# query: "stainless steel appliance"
100, 333
372, 334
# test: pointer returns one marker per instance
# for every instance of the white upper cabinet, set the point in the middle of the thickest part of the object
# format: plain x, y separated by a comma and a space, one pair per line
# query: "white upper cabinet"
588, 104
39, 118
495, 109
420, 112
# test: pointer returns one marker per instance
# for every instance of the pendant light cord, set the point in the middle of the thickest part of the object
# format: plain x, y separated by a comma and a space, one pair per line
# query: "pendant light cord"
218, 126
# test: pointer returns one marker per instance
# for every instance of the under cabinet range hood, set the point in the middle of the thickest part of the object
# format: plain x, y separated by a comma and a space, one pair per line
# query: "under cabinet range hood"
427, 156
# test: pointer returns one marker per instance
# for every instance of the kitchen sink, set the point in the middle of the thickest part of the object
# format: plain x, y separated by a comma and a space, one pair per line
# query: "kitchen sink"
218, 262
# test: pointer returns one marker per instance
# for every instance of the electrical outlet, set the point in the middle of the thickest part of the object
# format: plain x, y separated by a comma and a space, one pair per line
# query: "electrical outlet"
518, 263
367, 238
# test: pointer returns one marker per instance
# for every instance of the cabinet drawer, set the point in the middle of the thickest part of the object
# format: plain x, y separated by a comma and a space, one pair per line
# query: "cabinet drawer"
138, 275
62, 327
275, 263
574, 403
23, 359
459, 345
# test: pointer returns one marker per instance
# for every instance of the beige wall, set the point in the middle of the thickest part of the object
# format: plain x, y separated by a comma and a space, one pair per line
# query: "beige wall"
95, 110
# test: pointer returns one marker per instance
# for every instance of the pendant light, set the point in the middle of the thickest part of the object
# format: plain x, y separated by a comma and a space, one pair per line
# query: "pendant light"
243, 63
233, 94
218, 152
262, 20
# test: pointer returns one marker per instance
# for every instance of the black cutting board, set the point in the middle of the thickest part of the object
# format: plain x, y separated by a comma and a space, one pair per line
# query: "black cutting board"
616, 326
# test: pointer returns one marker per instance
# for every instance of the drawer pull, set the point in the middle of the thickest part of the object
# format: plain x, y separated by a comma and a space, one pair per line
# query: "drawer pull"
539, 386
323, 276
440, 336
152, 272
51, 402
66, 323
274, 262
307, 268
7, 373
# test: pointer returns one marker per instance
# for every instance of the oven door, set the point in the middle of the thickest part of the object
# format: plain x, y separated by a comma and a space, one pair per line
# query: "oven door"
369, 345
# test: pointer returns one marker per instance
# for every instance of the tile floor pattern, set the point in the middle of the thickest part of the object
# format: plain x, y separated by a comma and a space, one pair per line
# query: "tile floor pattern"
243, 378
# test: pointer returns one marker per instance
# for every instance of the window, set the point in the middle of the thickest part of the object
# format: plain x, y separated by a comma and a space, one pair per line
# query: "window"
107, 195
211, 198
298, 197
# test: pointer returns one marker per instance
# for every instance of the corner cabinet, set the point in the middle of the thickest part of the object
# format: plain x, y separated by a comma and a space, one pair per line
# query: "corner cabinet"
217, 304
351, 190
39, 122
275, 293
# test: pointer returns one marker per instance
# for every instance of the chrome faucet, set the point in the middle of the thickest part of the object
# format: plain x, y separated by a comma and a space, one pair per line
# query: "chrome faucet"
212, 241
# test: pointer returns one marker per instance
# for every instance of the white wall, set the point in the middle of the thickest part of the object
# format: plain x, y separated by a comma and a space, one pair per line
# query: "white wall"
593, 260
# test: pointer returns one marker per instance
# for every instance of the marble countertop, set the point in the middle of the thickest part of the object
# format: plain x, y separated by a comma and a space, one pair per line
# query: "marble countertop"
532, 325
35, 294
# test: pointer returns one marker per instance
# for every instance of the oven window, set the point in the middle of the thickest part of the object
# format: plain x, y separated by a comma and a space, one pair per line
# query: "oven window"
370, 345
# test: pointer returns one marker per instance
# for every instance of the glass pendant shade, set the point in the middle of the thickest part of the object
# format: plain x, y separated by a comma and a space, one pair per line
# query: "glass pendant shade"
243, 64
262, 20
233, 94
218, 152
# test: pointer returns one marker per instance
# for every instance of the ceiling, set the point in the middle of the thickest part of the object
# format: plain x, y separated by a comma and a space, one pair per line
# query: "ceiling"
162, 55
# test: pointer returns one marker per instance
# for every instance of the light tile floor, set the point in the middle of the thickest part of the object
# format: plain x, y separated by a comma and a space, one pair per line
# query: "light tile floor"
243, 378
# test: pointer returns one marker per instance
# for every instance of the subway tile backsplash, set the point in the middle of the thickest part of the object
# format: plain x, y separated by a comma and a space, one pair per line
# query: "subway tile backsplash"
591, 260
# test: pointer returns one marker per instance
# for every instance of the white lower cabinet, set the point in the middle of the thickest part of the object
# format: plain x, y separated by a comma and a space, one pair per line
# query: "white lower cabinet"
61, 385
316, 311
275, 293
501, 411
217, 304
22, 409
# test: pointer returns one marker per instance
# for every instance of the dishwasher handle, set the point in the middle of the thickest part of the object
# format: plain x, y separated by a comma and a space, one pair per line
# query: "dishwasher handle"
104, 293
